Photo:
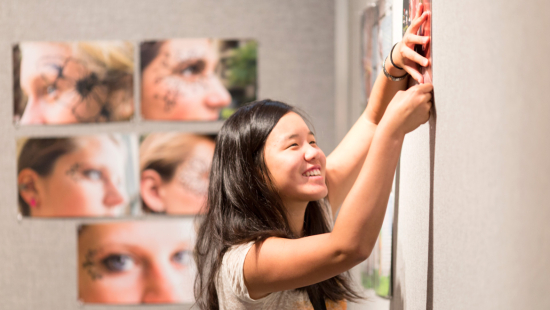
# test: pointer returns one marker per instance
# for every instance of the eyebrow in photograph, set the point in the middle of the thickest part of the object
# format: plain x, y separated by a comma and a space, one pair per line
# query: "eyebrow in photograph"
89, 265
73, 170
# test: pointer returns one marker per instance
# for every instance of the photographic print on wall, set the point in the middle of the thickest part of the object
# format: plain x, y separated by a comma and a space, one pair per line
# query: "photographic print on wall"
73, 82
140, 262
80, 176
409, 12
376, 36
196, 79
174, 172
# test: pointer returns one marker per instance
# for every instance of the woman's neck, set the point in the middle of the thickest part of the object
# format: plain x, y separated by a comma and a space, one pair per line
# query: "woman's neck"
296, 211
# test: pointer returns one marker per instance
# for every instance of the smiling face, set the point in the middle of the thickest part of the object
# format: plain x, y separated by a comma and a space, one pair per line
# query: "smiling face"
295, 162
86, 182
180, 83
136, 262
60, 88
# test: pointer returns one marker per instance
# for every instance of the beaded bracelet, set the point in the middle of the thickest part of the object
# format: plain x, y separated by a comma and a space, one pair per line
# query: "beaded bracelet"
391, 77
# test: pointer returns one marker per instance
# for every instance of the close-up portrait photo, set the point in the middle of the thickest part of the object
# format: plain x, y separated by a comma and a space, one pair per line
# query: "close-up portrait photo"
137, 262
81, 176
196, 79
174, 172
73, 82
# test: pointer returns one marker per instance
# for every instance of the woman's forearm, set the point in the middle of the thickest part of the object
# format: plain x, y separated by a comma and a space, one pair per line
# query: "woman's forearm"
344, 163
363, 210
382, 93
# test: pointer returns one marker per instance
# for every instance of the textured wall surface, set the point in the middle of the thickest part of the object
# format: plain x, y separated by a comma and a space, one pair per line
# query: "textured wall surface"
492, 171
472, 227
296, 64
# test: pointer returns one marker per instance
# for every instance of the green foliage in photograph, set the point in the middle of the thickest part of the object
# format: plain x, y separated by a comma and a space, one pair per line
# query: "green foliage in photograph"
242, 65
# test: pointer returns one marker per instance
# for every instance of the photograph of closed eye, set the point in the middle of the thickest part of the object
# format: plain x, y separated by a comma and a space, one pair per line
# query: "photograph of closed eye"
83, 176
198, 79
136, 262
175, 170
73, 82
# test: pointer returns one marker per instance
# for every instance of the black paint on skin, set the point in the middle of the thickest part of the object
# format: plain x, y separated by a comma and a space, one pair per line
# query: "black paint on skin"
89, 265
176, 89
73, 170
88, 87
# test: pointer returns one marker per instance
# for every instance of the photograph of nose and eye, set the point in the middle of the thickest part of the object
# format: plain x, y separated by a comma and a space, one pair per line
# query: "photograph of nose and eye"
73, 82
136, 262
82, 176
196, 79
174, 172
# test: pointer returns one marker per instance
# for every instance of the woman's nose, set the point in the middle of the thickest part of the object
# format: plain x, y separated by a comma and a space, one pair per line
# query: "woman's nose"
311, 153
32, 114
217, 96
163, 284
114, 196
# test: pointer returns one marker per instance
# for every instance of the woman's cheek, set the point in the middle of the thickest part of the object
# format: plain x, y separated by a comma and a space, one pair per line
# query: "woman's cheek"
123, 288
61, 112
88, 198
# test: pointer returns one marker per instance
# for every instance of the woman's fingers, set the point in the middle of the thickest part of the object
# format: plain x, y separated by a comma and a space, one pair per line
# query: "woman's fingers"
417, 22
414, 56
415, 74
415, 39
419, 9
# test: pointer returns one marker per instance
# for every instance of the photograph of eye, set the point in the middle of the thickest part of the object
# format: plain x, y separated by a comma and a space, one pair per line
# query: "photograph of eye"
198, 79
82, 176
174, 172
73, 82
136, 262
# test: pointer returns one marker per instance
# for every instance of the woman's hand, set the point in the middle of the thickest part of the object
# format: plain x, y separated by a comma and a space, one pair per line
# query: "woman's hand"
409, 109
404, 55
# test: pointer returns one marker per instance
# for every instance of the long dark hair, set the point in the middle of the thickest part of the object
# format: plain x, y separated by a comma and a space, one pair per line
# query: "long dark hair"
244, 206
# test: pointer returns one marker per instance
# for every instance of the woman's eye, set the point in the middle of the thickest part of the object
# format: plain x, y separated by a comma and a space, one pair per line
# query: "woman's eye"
313, 143
93, 174
118, 263
51, 90
182, 257
193, 69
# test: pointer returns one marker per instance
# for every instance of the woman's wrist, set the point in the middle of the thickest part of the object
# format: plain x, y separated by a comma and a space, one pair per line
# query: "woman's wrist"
390, 130
391, 58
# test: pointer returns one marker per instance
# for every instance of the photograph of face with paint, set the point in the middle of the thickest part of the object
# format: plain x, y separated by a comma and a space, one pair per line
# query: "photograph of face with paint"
410, 10
196, 79
175, 170
84, 176
73, 82
140, 262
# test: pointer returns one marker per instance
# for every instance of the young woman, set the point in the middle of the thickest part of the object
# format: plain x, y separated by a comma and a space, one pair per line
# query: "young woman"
266, 241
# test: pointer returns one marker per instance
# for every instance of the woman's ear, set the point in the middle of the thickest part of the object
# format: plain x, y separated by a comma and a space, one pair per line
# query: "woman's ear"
28, 188
151, 190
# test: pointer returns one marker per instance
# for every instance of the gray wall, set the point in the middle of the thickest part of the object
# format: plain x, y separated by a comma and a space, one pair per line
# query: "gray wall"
296, 64
474, 203
491, 241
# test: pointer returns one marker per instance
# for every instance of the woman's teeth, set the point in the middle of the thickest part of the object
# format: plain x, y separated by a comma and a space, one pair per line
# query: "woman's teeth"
315, 172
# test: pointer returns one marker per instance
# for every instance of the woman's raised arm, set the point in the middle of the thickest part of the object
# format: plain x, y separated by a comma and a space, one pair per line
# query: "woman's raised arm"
344, 163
